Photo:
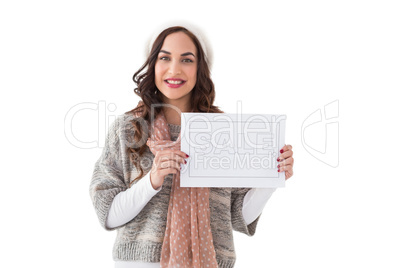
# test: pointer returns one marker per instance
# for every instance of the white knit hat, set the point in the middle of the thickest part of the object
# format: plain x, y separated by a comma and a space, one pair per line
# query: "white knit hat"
192, 28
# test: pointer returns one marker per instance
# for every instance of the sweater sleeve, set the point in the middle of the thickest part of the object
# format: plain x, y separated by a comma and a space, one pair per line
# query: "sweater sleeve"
107, 178
254, 202
127, 204
238, 222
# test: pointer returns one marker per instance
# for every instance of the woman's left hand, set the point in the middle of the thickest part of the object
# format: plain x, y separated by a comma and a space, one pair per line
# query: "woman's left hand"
286, 161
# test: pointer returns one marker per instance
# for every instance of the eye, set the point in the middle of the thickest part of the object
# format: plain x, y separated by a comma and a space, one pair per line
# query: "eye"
164, 58
188, 60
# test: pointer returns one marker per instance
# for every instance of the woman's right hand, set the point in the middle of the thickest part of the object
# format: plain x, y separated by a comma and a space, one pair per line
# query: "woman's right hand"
166, 162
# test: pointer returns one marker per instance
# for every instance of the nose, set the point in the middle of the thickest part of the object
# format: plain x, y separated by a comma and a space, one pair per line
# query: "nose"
174, 67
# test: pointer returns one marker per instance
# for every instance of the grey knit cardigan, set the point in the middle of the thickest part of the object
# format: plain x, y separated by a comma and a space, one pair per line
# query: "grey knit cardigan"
141, 238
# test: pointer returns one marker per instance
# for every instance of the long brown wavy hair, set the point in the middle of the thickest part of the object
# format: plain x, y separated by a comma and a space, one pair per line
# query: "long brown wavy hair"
202, 95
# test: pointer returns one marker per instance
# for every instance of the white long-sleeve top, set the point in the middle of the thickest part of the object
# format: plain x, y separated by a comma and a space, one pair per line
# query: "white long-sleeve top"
127, 204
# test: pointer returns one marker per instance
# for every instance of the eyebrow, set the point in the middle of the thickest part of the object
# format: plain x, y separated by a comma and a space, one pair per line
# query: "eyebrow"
184, 54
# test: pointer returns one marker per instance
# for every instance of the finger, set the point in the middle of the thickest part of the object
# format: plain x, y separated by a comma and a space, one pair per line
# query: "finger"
288, 174
284, 168
285, 155
169, 164
287, 161
171, 157
167, 171
286, 148
176, 152
176, 155
288, 169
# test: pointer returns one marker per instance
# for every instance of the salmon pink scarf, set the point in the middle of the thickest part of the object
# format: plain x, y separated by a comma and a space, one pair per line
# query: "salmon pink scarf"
188, 238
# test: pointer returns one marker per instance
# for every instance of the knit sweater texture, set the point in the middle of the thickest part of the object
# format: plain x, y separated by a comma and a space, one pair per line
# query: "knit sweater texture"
141, 238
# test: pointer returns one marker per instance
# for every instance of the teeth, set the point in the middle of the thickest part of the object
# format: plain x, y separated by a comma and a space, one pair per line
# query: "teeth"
174, 82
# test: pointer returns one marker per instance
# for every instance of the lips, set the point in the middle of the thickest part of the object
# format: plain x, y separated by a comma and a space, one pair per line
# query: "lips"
174, 82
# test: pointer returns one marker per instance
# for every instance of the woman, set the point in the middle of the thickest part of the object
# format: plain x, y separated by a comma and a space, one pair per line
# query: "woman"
135, 186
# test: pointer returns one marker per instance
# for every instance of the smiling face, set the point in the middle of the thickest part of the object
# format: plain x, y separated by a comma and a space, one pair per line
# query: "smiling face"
176, 69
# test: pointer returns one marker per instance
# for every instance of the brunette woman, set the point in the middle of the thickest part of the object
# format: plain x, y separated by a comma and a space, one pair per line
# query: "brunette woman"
135, 186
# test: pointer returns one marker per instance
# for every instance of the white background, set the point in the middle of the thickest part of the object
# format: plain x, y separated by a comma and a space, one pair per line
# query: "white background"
290, 57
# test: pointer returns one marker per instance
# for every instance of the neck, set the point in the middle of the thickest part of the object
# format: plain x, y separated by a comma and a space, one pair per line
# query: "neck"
173, 111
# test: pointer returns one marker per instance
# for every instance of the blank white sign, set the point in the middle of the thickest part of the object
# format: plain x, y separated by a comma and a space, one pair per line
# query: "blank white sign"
232, 150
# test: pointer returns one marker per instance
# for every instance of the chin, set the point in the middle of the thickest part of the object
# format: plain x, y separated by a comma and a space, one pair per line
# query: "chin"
175, 96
